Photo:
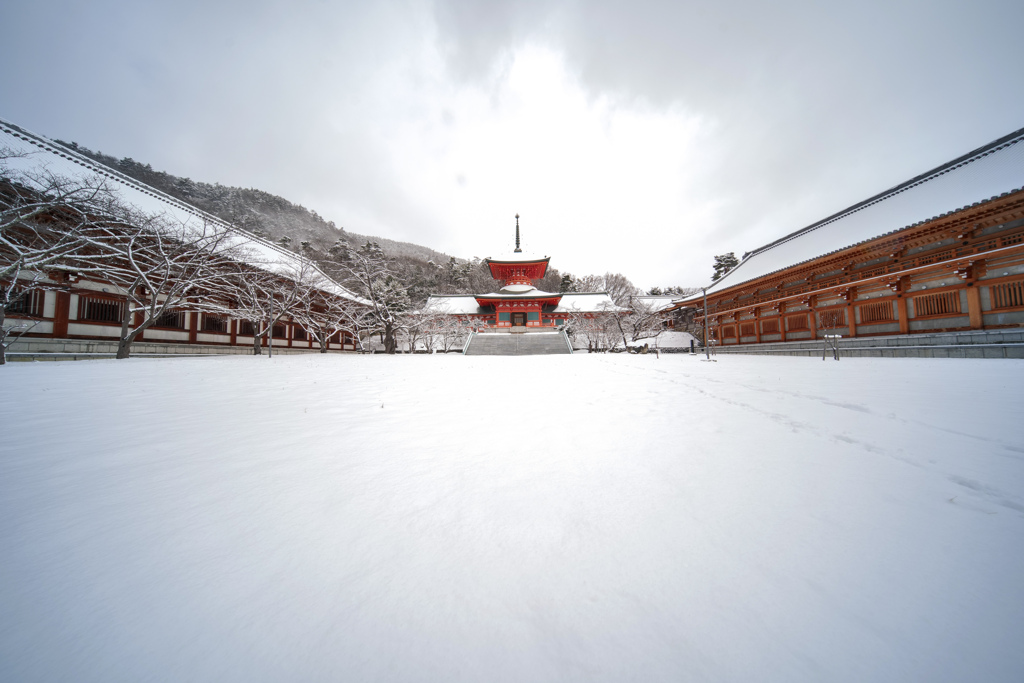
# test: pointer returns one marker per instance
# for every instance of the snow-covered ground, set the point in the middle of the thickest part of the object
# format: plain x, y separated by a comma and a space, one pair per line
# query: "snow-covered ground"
443, 518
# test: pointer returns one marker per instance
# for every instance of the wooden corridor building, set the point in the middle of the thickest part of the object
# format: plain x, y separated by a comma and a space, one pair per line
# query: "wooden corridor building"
941, 252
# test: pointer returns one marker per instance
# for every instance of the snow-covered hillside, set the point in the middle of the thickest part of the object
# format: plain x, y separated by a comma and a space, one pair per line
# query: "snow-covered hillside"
584, 518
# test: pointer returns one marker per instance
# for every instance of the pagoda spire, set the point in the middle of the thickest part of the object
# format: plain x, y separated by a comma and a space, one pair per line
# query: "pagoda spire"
518, 250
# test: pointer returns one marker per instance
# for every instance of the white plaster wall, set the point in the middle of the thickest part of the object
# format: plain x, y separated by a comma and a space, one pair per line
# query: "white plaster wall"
940, 323
73, 313
87, 330
1004, 318
877, 328
165, 335
213, 338
49, 304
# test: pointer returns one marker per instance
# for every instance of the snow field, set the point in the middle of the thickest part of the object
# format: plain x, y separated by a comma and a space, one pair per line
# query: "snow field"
593, 517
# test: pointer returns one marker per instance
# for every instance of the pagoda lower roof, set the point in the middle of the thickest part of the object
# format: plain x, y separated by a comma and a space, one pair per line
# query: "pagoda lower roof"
532, 293
570, 302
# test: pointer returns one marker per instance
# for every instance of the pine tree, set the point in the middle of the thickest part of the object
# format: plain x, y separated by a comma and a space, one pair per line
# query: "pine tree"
723, 264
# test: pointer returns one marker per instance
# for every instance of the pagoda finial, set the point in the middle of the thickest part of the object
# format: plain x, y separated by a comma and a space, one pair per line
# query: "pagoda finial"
518, 250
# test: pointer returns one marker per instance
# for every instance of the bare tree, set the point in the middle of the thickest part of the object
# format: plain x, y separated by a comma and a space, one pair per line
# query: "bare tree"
324, 314
263, 298
616, 285
644, 320
43, 217
158, 265
367, 271
450, 332
599, 329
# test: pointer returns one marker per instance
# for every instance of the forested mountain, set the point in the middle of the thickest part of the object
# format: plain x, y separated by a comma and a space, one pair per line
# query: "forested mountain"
421, 270
262, 213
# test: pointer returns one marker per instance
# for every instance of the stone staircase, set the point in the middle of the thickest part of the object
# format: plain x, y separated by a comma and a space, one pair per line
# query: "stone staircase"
1004, 343
522, 344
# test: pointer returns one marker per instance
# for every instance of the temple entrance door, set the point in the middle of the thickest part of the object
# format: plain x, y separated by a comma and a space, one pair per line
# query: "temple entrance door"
518, 320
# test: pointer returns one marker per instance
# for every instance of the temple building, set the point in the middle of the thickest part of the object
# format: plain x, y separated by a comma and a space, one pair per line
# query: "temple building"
68, 313
940, 255
518, 305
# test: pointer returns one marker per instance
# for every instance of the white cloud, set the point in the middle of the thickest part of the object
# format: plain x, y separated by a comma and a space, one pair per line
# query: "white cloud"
597, 181
640, 138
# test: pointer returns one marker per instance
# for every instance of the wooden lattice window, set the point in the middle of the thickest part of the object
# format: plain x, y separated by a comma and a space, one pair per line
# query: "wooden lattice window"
298, 333
935, 258
25, 303
877, 312
99, 310
729, 331
795, 323
770, 326
173, 319
943, 303
215, 323
245, 328
746, 329
831, 318
1008, 295
279, 331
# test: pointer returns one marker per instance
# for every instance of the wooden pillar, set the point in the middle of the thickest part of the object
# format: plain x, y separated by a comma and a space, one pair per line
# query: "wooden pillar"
974, 307
782, 321
901, 312
757, 325
193, 327
812, 314
61, 315
851, 319
233, 329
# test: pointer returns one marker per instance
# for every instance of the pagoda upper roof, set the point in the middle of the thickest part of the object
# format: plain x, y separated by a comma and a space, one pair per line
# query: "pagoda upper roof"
520, 257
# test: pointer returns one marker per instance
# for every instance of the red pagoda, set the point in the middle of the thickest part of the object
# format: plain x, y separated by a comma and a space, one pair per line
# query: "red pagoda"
518, 303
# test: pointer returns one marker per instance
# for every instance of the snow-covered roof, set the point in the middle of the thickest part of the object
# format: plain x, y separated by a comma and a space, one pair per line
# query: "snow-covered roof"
453, 304
35, 156
656, 302
587, 302
519, 292
985, 173
518, 289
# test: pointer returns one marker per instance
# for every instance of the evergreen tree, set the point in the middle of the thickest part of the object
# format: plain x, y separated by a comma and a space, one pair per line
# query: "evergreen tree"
723, 264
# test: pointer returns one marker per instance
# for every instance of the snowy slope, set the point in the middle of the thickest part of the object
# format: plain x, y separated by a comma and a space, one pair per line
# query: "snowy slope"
329, 518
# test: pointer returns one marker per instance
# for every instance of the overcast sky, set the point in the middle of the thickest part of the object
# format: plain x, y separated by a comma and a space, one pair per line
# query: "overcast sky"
637, 137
